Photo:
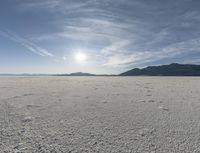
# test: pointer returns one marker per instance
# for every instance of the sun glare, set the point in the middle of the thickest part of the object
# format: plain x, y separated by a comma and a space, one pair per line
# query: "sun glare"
80, 57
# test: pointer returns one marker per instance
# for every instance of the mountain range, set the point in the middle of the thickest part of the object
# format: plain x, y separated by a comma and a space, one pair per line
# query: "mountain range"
173, 69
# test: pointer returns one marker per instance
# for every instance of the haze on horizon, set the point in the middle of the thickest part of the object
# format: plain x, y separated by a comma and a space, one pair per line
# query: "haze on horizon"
97, 36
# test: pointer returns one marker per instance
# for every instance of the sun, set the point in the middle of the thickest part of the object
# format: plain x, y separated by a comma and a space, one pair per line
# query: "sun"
80, 57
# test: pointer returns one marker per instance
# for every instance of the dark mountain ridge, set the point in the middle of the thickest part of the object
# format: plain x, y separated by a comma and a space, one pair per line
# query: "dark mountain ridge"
173, 69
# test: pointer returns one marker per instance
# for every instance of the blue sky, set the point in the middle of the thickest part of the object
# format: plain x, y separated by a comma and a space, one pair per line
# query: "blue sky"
43, 36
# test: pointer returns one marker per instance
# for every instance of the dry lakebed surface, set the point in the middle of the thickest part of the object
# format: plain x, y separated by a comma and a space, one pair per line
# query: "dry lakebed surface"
99, 114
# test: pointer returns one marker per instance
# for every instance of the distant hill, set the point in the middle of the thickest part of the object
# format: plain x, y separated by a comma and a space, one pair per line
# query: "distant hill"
173, 69
81, 74
77, 74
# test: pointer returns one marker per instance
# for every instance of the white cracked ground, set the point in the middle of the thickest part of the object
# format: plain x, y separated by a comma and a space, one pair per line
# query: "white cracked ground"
100, 114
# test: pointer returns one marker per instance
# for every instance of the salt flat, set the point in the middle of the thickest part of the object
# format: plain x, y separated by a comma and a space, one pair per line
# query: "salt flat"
100, 114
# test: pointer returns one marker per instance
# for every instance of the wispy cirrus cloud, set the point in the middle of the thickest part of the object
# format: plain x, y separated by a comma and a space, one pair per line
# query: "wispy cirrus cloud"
124, 33
48, 4
177, 50
25, 43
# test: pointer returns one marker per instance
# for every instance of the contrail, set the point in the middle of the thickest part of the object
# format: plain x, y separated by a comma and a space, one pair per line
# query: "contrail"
25, 43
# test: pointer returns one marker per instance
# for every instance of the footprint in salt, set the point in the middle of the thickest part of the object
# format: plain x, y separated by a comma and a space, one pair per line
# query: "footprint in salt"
105, 102
163, 108
27, 119
32, 106
151, 101
146, 131
148, 90
30, 94
142, 101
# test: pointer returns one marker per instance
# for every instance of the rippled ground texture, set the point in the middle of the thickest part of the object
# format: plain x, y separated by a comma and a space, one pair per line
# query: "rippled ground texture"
100, 114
